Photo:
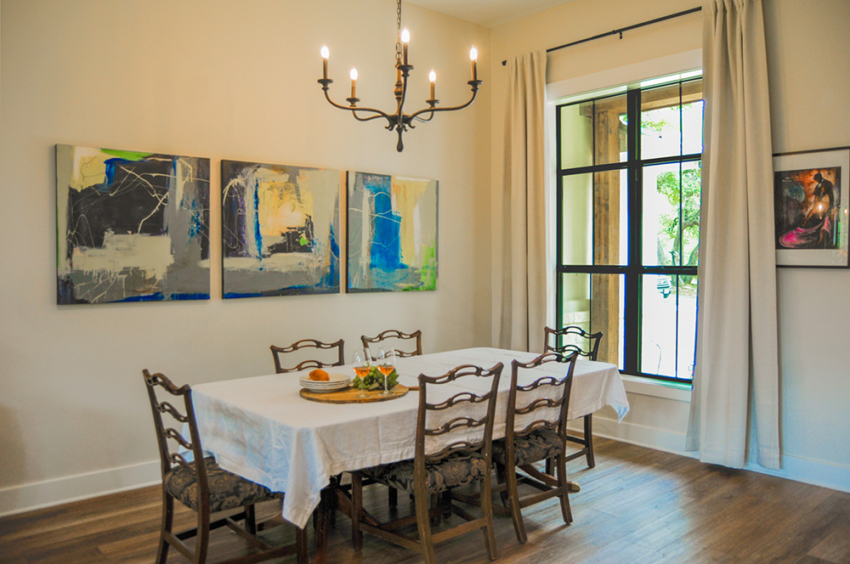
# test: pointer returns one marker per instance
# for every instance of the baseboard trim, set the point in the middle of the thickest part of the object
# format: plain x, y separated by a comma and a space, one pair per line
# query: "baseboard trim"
640, 435
38, 495
798, 469
48, 493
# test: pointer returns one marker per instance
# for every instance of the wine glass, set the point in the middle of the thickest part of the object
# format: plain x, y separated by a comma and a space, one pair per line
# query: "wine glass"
386, 364
362, 361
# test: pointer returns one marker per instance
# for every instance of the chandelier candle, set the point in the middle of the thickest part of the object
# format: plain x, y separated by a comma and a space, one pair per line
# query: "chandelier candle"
405, 43
398, 121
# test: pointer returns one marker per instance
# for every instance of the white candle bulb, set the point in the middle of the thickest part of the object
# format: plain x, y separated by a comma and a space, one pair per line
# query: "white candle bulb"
432, 76
405, 36
473, 54
325, 55
353, 74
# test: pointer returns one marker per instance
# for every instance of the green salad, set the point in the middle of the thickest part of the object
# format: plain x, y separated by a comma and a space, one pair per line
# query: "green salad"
375, 380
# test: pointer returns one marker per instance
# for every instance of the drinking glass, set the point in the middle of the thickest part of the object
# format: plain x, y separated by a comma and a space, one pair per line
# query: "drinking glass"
386, 364
362, 361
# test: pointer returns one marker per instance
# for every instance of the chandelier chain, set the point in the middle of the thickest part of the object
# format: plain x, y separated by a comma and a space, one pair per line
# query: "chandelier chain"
398, 41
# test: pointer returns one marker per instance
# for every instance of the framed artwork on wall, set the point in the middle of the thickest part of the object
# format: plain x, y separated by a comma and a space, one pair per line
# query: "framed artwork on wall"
131, 226
811, 200
392, 233
280, 229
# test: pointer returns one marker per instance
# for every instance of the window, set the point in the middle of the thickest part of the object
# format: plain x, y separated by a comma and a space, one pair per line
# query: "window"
628, 205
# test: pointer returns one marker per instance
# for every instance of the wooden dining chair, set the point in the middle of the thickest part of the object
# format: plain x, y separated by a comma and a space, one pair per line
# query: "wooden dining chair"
395, 334
277, 352
531, 437
442, 461
206, 488
568, 340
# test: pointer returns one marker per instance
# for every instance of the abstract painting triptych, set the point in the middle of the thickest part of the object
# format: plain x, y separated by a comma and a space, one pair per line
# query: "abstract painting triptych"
279, 230
392, 233
135, 226
131, 227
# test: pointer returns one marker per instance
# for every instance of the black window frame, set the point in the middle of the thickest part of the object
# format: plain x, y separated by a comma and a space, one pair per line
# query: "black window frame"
634, 270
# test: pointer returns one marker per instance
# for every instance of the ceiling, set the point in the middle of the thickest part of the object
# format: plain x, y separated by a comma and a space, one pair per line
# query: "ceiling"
488, 13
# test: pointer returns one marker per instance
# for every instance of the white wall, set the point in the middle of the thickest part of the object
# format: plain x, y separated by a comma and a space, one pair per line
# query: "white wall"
809, 67
226, 79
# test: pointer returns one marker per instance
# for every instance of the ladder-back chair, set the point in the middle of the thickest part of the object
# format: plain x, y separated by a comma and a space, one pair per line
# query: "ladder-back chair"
442, 461
278, 352
396, 334
585, 344
531, 437
203, 486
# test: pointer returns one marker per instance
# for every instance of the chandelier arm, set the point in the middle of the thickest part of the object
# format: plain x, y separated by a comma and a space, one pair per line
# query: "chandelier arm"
353, 110
432, 111
423, 120
377, 115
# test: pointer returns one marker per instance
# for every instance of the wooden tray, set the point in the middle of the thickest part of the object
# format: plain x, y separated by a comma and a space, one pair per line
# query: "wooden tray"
350, 395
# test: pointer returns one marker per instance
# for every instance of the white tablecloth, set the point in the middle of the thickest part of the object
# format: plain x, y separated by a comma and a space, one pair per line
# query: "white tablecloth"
261, 429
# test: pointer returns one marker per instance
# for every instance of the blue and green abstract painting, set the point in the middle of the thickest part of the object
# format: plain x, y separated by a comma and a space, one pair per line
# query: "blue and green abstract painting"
392, 233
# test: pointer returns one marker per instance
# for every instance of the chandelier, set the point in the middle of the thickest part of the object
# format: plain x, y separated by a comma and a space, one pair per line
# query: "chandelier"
399, 121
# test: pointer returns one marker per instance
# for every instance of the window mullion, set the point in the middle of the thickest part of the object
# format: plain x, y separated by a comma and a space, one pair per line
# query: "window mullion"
631, 362
559, 226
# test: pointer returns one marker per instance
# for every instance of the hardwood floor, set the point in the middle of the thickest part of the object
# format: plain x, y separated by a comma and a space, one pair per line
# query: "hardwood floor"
637, 506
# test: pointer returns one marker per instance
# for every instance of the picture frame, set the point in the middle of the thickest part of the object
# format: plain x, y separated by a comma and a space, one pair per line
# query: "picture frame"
392, 240
811, 192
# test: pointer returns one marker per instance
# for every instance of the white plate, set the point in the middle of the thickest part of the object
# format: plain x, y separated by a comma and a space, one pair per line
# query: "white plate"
324, 390
311, 386
333, 380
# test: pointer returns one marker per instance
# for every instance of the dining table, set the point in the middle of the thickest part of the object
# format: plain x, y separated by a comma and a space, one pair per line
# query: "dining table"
262, 429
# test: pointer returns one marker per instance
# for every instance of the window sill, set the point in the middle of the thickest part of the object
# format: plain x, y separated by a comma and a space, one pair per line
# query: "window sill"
657, 388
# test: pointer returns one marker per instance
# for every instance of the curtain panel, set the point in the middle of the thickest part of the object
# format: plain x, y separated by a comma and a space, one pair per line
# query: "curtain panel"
737, 368
519, 226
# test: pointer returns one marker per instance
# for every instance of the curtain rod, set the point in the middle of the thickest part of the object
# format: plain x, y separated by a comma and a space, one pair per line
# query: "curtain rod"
621, 30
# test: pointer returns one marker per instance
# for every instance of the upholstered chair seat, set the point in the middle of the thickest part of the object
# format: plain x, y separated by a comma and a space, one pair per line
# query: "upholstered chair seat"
538, 445
456, 470
227, 490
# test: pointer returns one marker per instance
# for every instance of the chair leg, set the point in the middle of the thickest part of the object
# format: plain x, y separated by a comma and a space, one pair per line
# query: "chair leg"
500, 479
251, 519
548, 469
588, 436
203, 541
446, 504
356, 510
423, 523
487, 510
167, 522
393, 497
564, 486
438, 518
302, 544
516, 511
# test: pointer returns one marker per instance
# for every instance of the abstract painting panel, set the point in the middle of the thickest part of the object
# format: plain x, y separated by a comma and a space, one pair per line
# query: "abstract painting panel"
392, 233
131, 226
280, 227
810, 208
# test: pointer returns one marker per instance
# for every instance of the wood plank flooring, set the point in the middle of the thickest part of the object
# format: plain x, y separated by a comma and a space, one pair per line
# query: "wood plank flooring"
638, 506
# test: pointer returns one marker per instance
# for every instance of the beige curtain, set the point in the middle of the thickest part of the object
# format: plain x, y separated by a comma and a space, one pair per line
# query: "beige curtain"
737, 370
519, 222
